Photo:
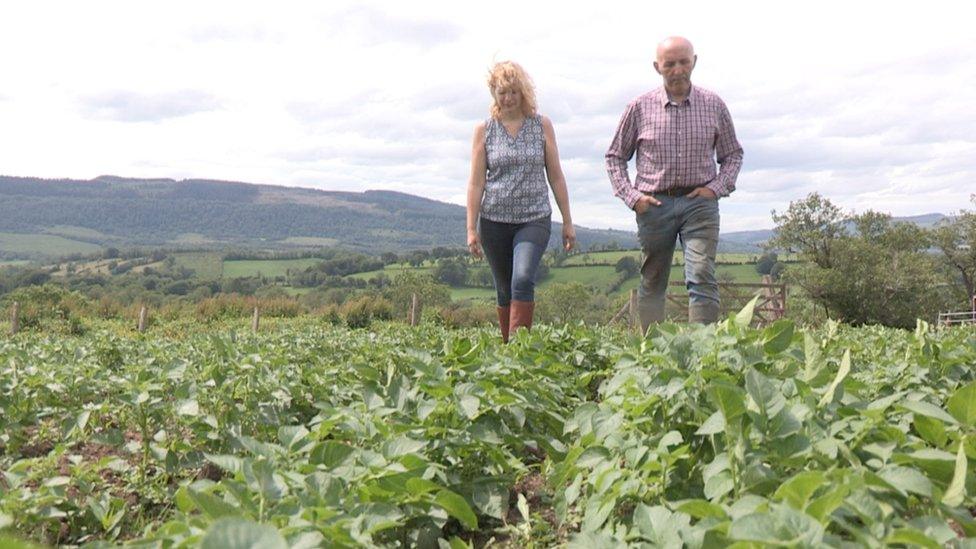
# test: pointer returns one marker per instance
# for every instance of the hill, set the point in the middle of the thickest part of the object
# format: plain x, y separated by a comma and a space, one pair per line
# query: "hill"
45, 218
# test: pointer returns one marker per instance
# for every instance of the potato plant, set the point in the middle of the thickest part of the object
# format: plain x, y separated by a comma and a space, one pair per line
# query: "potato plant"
314, 435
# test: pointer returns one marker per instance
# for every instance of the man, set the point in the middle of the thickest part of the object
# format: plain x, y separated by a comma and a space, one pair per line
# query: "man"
678, 132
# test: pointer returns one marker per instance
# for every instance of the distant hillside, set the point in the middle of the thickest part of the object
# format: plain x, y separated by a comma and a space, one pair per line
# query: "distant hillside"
44, 218
753, 241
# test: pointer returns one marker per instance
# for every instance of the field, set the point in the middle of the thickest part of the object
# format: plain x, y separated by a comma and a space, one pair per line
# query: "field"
268, 268
309, 435
612, 257
207, 265
44, 245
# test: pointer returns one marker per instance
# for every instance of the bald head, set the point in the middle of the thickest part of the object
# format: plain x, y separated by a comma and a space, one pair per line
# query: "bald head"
675, 60
675, 45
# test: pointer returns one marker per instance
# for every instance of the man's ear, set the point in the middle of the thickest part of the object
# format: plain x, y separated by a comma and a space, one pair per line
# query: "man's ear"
657, 68
694, 61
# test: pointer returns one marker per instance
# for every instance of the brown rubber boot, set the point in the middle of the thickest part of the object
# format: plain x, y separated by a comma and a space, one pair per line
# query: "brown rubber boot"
521, 315
503, 319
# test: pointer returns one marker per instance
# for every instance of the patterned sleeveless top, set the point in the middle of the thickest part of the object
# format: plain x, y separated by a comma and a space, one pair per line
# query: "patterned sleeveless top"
515, 190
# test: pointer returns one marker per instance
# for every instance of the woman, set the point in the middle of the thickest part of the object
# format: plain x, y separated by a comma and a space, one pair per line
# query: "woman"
513, 156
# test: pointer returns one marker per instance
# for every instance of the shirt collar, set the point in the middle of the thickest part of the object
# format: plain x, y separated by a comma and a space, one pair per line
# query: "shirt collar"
665, 100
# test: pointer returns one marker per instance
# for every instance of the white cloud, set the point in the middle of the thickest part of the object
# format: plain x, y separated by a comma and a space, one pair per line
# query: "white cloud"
872, 110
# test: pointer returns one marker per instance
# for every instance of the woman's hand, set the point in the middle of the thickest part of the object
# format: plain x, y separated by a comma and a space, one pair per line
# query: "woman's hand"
474, 244
569, 236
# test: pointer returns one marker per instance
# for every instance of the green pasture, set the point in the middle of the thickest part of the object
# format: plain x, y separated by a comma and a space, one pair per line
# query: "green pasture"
72, 231
44, 244
208, 265
612, 257
238, 268
473, 294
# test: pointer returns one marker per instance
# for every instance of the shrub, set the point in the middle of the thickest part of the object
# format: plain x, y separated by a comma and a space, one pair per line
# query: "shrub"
50, 308
362, 311
458, 315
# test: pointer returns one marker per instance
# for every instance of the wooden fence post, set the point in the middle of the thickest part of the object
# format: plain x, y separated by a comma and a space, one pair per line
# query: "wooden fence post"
255, 320
634, 317
414, 310
15, 319
143, 317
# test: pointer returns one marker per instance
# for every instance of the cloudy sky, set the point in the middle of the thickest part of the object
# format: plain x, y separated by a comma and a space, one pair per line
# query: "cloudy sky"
870, 103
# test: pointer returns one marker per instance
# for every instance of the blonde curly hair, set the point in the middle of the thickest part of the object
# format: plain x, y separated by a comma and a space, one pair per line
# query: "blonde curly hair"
509, 74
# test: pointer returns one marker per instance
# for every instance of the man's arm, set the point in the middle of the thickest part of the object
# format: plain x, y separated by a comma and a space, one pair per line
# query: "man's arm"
728, 152
620, 152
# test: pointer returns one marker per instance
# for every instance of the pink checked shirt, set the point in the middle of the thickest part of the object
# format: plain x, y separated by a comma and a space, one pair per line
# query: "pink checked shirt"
676, 145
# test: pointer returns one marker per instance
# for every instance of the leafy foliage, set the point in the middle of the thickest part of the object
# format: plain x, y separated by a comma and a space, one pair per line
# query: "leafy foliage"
315, 435
878, 272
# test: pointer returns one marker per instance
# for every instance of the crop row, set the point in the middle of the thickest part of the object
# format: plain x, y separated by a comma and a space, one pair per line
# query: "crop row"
324, 436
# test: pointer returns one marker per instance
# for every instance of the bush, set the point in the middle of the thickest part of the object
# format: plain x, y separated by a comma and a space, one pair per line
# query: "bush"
50, 308
237, 306
330, 314
465, 315
362, 311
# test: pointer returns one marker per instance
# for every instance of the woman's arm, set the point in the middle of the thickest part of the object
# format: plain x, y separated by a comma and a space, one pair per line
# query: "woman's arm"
476, 188
554, 172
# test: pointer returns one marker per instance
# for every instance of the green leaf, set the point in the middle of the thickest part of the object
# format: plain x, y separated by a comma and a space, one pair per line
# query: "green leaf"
962, 405
929, 410
778, 336
714, 424
8, 542
458, 543
932, 430
231, 464
813, 358
211, 505
744, 317
237, 533
469, 405
188, 407
331, 454
523, 507
491, 499
457, 507
782, 526
593, 456
845, 368
418, 486
269, 482
291, 435
767, 398
401, 446
660, 526
956, 491
911, 537
906, 479
728, 398
798, 490
718, 485
701, 509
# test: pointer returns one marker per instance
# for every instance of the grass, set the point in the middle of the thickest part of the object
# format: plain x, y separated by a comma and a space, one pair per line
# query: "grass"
472, 294
71, 231
44, 245
265, 267
207, 265
313, 241
612, 257
393, 270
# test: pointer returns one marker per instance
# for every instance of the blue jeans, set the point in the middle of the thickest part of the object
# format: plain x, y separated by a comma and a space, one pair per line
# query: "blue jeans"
513, 251
695, 222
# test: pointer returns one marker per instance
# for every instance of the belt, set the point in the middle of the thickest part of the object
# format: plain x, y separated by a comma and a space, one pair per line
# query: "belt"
674, 191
